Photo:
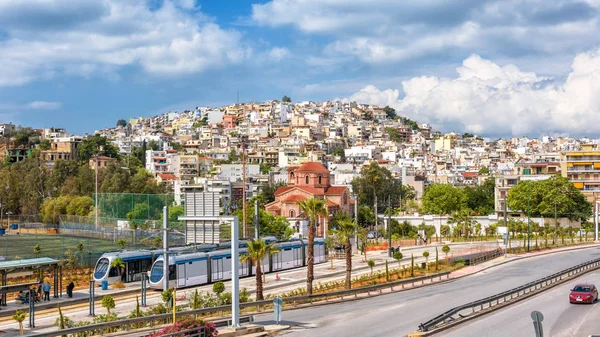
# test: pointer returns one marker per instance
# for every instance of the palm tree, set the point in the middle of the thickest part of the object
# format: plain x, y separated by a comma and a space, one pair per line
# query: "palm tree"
313, 208
119, 264
257, 251
346, 230
37, 250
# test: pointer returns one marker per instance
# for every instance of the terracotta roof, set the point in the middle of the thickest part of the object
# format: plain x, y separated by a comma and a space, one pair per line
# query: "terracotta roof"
469, 174
312, 166
167, 176
336, 190
293, 198
273, 207
330, 203
283, 189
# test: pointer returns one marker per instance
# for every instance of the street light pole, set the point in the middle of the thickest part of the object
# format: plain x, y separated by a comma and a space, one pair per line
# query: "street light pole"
96, 203
528, 215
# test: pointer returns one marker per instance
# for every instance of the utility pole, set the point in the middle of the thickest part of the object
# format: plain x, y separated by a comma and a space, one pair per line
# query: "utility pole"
244, 187
528, 215
96, 206
356, 221
507, 242
256, 223
165, 248
555, 224
389, 227
375, 208
596, 220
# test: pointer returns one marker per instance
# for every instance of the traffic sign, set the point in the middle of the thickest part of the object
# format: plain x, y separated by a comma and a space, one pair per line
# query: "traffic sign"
537, 323
277, 308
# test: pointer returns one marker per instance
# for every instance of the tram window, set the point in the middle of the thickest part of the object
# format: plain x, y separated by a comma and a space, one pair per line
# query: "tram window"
172, 273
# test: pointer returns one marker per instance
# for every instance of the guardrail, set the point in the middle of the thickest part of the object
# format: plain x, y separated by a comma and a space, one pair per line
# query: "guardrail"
455, 315
133, 323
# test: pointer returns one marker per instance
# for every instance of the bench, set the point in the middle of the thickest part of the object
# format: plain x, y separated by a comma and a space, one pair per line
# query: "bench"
13, 288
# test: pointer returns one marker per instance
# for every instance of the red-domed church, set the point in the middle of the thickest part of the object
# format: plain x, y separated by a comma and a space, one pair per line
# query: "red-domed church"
309, 180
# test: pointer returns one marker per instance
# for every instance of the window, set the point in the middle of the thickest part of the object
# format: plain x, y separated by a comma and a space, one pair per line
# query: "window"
307, 179
320, 180
292, 214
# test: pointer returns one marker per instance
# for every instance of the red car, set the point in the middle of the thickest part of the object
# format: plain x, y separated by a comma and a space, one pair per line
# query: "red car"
583, 293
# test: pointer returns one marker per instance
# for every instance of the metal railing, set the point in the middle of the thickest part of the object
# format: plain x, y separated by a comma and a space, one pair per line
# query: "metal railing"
455, 315
134, 323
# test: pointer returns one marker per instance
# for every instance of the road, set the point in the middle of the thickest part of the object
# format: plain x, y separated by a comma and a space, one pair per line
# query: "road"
561, 319
400, 313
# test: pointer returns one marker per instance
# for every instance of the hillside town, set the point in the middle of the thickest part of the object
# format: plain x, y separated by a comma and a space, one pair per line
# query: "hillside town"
318, 147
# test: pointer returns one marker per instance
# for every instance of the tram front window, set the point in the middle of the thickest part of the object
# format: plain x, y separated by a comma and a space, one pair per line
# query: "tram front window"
101, 268
157, 272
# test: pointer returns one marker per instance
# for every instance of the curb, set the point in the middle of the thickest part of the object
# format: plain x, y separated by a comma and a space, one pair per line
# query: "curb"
593, 245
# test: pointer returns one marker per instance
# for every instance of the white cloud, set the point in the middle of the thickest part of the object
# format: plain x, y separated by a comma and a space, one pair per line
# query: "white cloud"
43, 105
391, 31
168, 41
278, 53
486, 98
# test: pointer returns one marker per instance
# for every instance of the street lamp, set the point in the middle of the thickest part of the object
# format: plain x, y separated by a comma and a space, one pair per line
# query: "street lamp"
528, 215
9, 214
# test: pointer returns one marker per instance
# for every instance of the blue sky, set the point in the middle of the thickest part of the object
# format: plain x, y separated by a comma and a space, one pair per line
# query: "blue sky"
493, 67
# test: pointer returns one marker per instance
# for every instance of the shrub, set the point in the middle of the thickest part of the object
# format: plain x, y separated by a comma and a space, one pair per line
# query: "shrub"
118, 285
187, 323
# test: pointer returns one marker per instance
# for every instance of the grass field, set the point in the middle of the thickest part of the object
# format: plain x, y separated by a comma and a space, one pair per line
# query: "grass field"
54, 246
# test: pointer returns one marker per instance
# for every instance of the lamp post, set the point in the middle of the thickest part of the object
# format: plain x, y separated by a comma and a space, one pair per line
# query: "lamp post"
528, 215
96, 201
8, 214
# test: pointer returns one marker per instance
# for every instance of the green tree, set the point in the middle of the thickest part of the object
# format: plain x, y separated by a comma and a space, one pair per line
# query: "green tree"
398, 257
267, 192
390, 112
394, 134
339, 152
37, 250
371, 264
464, 222
412, 265
108, 303
426, 256
437, 253
122, 123
377, 180
446, 250
265, 168
314, 209
140, 211
97, 145
387, 272
20, 316
121, 243
345, 229
79, 249
443, 199
45, 145
484, 171
545, 197
286, 99
481, 198
81, 206
218, 288
257, 251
